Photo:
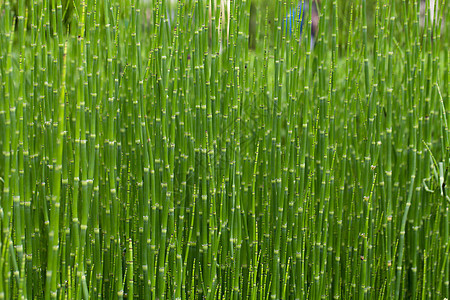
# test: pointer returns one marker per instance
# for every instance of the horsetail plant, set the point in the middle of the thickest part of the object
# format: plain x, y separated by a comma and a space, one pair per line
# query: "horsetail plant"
192, 149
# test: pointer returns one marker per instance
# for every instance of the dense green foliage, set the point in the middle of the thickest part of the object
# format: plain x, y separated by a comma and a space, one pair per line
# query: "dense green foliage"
161, 158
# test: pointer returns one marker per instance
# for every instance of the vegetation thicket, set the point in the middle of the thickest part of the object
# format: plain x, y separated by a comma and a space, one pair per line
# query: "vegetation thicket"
153, 153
